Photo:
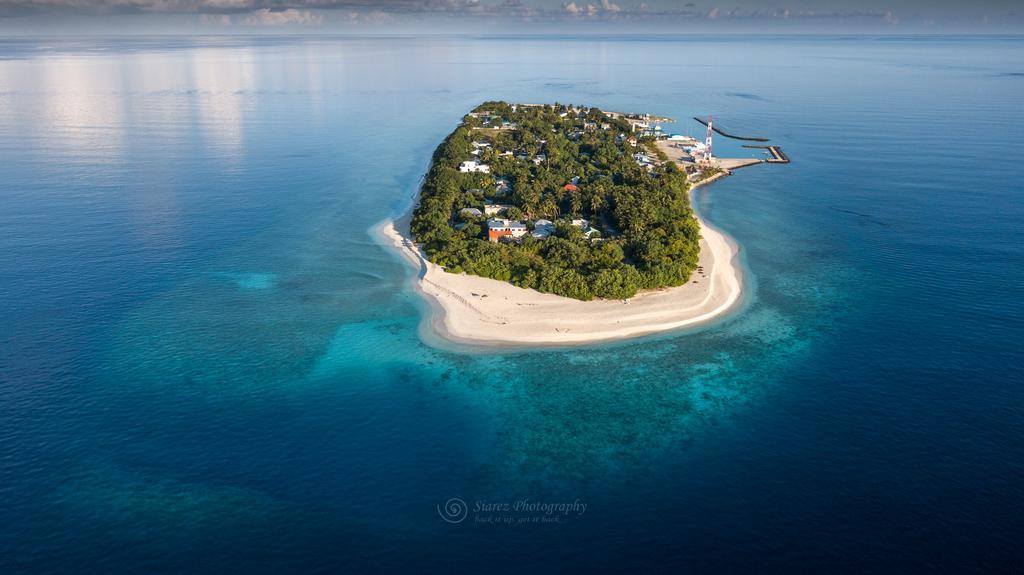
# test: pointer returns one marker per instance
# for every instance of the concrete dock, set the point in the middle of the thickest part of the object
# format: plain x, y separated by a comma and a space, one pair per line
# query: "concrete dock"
734, 163
777, 155
677, 154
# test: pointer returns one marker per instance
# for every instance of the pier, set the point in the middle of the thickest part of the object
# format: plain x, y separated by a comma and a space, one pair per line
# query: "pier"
730, 164
777, 155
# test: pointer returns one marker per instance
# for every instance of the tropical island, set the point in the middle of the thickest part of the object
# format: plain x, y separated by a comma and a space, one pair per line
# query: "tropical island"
560, 199
560, 225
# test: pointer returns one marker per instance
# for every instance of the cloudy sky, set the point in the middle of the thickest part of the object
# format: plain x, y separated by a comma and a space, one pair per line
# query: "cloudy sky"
512, 16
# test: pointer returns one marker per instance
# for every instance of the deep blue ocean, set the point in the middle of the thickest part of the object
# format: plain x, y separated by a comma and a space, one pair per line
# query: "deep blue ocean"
208, 365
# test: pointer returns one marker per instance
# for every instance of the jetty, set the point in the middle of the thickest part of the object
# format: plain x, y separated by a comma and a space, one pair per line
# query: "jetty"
776, 153
730, 164
734, 137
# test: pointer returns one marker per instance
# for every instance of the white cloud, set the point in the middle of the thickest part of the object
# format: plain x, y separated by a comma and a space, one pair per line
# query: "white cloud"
606, 8
215, 20
371, 17
873, 13
288, 17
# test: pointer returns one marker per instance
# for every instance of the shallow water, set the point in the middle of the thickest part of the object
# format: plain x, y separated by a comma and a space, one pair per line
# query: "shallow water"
208, 365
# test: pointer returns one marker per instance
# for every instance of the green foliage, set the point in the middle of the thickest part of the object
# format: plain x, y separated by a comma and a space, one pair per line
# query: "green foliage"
648, 235
620, 283
566, 282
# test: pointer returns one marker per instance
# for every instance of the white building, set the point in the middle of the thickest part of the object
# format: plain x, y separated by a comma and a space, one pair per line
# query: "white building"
585, 226
543, 228
495, 209
643, 159
499, 228
474, 166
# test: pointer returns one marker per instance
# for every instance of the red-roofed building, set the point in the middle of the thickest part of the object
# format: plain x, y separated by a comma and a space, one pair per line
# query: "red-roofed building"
570, 187
498, 229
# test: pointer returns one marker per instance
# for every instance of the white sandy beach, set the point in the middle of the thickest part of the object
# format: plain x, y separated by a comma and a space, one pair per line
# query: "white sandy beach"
474, 310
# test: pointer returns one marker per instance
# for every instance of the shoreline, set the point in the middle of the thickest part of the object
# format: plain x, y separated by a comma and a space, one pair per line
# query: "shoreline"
487, 313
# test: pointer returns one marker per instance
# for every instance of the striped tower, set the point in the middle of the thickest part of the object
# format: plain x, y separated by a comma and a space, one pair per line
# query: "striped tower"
707, 142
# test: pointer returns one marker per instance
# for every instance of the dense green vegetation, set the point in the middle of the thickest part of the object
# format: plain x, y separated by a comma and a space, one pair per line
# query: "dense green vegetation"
648, 236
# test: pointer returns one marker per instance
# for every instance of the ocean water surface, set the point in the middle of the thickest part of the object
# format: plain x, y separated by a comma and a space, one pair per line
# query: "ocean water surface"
207, 364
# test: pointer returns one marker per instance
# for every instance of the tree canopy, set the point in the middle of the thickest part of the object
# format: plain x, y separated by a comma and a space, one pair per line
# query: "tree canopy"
644, 234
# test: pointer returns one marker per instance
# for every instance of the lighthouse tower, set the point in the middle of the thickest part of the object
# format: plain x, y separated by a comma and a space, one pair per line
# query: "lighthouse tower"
707, 143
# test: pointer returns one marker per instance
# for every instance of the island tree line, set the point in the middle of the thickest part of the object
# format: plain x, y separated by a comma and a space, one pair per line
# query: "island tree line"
562, 163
